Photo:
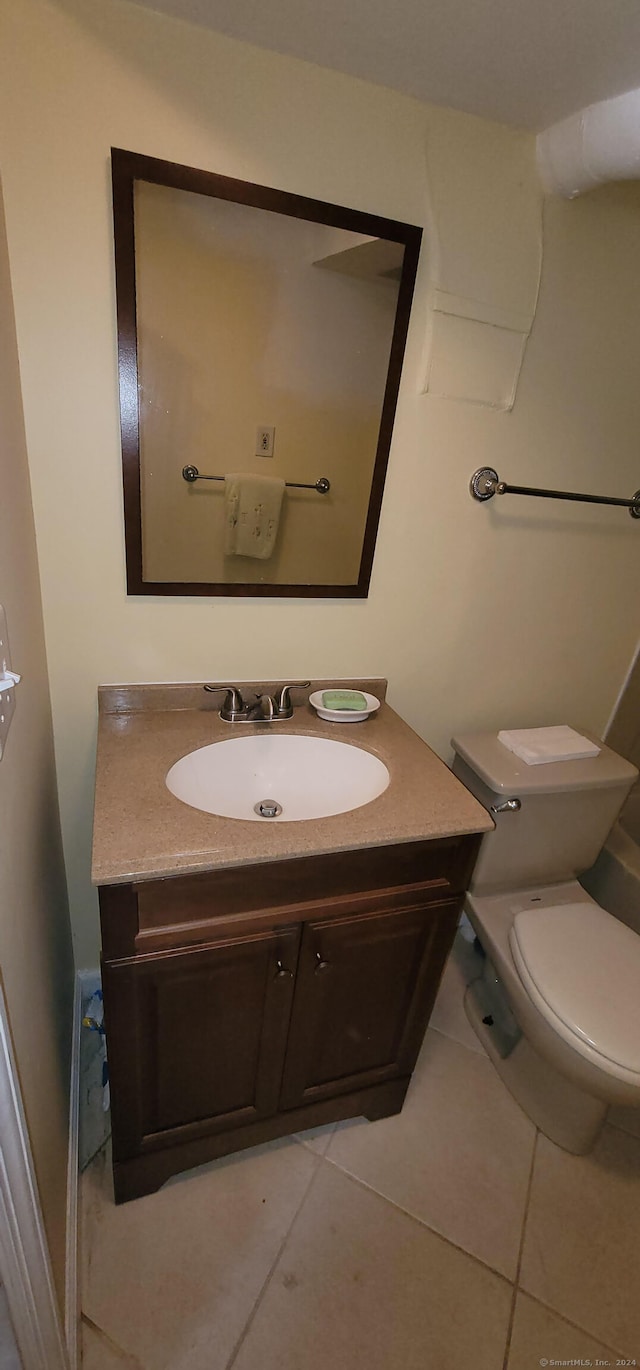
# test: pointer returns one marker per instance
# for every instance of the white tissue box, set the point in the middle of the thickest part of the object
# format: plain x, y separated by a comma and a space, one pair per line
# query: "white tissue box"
537, 746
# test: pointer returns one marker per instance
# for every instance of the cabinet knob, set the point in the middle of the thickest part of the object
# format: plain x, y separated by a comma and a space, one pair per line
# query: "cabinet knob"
282, 973
320, 964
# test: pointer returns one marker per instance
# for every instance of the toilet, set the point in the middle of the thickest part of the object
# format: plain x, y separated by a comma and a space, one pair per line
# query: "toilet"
557, 999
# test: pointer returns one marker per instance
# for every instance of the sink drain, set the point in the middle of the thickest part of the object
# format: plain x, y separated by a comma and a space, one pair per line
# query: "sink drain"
268, 808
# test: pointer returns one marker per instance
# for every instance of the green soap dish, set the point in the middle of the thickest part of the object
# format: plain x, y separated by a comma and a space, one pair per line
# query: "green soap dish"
358, 706
344, 699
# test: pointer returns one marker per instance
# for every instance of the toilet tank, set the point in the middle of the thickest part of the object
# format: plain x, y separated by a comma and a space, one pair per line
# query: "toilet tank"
567, 811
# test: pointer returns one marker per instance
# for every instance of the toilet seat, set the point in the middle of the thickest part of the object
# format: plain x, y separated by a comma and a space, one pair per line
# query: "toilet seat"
581, 968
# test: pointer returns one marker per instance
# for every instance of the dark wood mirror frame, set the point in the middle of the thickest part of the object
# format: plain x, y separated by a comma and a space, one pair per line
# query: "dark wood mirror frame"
129, 167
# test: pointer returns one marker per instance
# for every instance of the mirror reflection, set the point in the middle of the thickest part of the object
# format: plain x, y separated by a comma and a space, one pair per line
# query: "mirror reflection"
268, 348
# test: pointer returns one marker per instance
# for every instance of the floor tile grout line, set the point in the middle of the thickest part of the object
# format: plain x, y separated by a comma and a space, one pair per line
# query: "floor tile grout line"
475, 1051
577, 1327
308, 1146
550, 1308
618, 1127
127, 1356
413, 1217
274, 1264
516, 1282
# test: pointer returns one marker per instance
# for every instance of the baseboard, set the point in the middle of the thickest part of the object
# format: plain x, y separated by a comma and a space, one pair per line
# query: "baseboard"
72, 1290
72, 1311
25, 1266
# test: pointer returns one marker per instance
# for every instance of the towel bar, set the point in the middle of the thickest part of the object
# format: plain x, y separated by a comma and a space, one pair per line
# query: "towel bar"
485, 483
191, 473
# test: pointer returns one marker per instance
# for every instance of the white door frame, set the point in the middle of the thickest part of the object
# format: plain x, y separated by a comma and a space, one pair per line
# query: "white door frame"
25, 1266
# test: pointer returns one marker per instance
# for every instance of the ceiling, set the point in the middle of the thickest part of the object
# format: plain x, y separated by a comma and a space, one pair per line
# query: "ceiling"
523, 62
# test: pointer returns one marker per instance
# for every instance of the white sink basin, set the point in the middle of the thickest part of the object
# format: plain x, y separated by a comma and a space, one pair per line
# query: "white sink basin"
305, 777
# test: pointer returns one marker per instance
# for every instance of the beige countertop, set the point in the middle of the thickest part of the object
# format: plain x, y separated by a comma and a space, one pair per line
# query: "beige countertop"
141, 831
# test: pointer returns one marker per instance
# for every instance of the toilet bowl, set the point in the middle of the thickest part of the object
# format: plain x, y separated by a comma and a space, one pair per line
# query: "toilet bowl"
569, 972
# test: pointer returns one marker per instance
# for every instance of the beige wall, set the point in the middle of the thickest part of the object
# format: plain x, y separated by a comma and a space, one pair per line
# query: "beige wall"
624, 730
515, 613
35, 941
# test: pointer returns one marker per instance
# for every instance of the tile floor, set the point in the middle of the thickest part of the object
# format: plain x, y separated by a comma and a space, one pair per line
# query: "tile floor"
449, 1236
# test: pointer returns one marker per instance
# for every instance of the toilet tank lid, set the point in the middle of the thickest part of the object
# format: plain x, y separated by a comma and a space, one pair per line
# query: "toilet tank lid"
505, 773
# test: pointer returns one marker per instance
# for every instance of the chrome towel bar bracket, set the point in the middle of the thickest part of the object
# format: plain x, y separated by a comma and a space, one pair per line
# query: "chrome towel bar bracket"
485, 483
191, 473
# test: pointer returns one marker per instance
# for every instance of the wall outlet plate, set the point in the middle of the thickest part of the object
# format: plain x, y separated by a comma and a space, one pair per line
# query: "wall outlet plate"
265, 441
7, 695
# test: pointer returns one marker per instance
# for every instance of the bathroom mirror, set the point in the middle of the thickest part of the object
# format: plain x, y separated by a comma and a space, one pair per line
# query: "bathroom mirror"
261, 334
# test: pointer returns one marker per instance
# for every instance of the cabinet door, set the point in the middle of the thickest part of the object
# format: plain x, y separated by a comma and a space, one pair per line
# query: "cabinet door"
364, 992
196, 1039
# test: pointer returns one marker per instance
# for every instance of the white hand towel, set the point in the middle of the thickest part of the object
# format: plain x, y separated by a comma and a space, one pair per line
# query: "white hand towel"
252, 514
537, 746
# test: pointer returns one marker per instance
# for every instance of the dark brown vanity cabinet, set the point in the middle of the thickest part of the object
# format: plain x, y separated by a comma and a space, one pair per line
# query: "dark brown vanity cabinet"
246, 1004
359, 1010
208, 1028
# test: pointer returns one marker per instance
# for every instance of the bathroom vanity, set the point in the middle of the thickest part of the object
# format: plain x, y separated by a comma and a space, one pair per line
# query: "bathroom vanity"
264, 977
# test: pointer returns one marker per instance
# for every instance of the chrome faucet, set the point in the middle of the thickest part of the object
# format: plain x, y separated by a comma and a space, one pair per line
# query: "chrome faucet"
264, 709
282, 698
234, 707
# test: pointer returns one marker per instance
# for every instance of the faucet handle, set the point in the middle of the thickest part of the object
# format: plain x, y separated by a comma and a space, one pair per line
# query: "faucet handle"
282, 698
234, 704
